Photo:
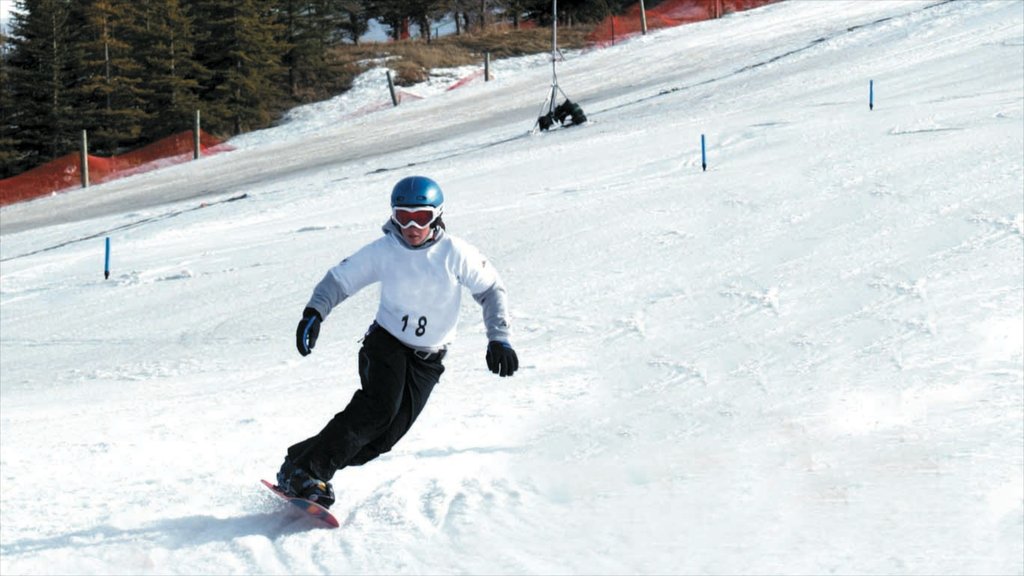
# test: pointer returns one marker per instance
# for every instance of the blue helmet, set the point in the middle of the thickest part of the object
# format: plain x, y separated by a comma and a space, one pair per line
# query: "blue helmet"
417, 191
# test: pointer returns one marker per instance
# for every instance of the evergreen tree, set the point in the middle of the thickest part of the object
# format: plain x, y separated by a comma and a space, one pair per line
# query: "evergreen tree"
239, 42
40, 79
355, 21
587, 10
171, 73
514, 10
110, 89
302, 56
337, 21
391, 13
571, 11
398, 14
9, 153
423, 12
312, 28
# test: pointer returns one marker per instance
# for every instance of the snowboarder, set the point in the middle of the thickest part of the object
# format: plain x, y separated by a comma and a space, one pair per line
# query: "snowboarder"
421, 269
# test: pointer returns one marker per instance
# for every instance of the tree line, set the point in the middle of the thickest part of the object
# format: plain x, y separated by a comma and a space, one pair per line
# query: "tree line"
133, 71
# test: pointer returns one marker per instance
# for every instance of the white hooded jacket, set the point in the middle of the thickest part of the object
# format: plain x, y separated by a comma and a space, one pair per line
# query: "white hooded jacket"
421, 287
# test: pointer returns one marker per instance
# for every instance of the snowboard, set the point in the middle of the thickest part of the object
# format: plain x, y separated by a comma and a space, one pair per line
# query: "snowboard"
308, 507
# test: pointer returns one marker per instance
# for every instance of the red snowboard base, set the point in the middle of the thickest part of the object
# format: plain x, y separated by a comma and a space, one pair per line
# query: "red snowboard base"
308, 507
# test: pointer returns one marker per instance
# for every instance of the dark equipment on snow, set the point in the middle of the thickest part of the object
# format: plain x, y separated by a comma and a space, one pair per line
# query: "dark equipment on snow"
567, 110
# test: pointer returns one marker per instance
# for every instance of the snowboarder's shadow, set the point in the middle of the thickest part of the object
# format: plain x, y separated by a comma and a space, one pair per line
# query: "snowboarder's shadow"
169, 534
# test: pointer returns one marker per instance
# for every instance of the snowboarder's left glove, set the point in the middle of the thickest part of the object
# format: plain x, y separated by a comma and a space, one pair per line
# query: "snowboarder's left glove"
308, 331
501, 358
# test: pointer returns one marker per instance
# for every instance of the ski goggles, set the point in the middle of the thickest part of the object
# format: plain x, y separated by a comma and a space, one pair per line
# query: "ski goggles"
418, 216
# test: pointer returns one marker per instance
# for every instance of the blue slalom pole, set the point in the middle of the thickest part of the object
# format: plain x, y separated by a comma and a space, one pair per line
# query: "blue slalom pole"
106, 261
871, 95
703, 155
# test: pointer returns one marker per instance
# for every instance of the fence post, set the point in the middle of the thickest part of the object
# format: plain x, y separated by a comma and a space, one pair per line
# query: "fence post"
391, 87
643, 18
487, 66
195, 138
85, 160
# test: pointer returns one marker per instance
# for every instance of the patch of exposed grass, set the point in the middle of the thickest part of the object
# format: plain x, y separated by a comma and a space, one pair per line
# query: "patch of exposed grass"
411, 60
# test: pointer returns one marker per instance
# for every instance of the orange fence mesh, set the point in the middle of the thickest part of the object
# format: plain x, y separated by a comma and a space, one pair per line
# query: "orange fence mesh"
65, 172
667, 14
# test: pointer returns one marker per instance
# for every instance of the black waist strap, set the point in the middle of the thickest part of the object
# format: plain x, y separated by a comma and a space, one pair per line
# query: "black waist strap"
429, 356
424, 355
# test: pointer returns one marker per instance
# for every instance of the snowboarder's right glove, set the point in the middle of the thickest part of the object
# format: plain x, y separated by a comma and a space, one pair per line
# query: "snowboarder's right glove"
501, 358
308, 331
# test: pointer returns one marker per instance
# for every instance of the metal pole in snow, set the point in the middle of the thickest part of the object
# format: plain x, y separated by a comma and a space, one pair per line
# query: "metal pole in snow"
391, 88
196, 149
84, 160
554, 37
703, 155
106, 261
871, 95
554, 55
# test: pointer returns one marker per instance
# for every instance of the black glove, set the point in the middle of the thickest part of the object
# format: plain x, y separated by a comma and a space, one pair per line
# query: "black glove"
308, 331
501, 358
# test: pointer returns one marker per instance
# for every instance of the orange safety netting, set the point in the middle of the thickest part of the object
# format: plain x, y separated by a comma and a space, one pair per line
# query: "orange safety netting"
65, 172
666, 14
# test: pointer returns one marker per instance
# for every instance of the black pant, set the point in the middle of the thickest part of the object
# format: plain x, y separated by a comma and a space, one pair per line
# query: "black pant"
395, 386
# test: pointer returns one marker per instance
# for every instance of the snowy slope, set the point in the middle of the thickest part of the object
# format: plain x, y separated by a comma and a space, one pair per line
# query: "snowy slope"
808, 359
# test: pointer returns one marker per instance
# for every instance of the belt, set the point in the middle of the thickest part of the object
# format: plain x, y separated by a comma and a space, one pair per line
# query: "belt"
421, 354
430, 356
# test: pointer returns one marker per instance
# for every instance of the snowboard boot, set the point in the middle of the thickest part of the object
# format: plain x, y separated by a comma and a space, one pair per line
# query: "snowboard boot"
295, 481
